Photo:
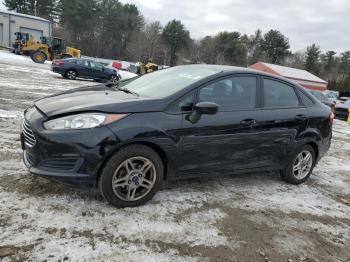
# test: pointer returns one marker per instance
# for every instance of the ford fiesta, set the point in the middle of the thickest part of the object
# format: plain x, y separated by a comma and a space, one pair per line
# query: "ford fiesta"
186, 121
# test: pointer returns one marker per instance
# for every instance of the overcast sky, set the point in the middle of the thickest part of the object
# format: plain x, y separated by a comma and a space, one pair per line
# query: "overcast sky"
325, 22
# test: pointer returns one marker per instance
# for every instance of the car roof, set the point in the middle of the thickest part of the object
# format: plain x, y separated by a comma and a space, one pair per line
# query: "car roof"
236, 69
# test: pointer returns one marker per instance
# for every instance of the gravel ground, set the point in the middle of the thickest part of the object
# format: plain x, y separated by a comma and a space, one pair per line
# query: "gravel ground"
250, 217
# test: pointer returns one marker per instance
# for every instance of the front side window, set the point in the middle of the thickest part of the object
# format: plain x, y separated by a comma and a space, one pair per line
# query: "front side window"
96, 66
236, 93
279, 95
184, 104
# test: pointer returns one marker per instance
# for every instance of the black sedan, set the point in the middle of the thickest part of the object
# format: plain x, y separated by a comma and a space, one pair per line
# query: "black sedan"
72, 68
186, 121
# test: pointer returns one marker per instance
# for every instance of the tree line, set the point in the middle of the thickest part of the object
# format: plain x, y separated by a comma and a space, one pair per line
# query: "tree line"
111, 29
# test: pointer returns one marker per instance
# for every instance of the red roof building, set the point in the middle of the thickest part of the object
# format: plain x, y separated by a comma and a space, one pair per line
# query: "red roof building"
302, 77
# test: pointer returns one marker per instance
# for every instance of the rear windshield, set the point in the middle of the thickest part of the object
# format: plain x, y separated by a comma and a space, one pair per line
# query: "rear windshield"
166, 82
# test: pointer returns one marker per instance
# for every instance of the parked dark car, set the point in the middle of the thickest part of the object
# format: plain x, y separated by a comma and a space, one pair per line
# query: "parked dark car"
181, 122
323, 99
342, 110
72, 68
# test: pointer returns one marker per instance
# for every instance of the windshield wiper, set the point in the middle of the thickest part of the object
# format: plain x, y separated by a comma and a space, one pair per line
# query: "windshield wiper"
115, 86
127, 91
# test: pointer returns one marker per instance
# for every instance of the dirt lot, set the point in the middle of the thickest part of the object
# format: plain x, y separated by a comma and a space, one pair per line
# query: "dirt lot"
251, 217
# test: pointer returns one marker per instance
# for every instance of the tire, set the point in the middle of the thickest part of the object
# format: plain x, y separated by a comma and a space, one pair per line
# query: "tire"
114, 79
71, 74
38, 57
137, 186
301, 164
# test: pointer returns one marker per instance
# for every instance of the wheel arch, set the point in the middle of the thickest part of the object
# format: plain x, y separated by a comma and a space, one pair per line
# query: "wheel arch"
315, 148
312, 137
161, 153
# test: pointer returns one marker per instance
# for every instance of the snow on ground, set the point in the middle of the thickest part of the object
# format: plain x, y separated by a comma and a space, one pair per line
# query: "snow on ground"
248, 217
10, 114
126, 74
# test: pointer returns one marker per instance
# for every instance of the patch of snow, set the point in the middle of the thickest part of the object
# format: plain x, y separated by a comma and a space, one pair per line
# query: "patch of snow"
20, 60
10, 114
126, 74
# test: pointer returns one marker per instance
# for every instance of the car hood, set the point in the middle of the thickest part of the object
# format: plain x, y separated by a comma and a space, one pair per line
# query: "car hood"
98, 99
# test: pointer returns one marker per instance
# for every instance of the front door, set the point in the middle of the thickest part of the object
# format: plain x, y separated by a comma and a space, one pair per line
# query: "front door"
227, 141
98, 70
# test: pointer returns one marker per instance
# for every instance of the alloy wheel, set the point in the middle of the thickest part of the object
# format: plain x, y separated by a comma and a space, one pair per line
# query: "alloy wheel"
134, 178
114, 79
71, 74
302, 164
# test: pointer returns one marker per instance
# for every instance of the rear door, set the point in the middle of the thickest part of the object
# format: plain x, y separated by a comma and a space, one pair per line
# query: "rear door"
227, 141
83, 68
284, 120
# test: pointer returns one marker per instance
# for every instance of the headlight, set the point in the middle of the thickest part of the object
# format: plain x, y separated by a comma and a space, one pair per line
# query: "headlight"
82, 121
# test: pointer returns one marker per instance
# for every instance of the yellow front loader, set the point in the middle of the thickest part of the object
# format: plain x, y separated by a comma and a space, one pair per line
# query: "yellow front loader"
48, 49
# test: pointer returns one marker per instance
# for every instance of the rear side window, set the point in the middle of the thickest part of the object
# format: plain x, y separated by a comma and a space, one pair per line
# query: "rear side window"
306, 100
83, 63
279, 95
236, 93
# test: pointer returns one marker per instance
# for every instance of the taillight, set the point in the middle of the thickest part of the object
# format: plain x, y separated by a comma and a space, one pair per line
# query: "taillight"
331, 118
58, 62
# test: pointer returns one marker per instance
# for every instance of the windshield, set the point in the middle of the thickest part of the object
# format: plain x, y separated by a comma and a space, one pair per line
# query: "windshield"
347, 103
166, 82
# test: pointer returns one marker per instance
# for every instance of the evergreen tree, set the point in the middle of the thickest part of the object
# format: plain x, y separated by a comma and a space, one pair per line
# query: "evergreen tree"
312, 59
176, 37
275, 46
230, 49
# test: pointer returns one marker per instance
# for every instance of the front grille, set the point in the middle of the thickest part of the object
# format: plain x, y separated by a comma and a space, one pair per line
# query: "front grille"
61, 164
29, 138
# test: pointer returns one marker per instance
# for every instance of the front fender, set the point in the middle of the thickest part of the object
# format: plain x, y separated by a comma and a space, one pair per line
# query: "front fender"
159, 135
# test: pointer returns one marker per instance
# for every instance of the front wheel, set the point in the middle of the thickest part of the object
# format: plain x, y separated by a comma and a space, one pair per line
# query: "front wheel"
114, 79
300, 165
132, 176
38, 57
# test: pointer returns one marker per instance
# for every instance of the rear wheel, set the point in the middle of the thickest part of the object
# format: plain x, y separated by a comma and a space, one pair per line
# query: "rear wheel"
71, 74
300, 166
132, 176
38, 57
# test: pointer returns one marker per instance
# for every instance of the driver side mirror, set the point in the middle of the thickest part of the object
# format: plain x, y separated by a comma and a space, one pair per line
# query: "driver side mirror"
206, 108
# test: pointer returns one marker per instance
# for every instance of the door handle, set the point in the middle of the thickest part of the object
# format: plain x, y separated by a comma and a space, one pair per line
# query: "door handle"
300, 117
248, 122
